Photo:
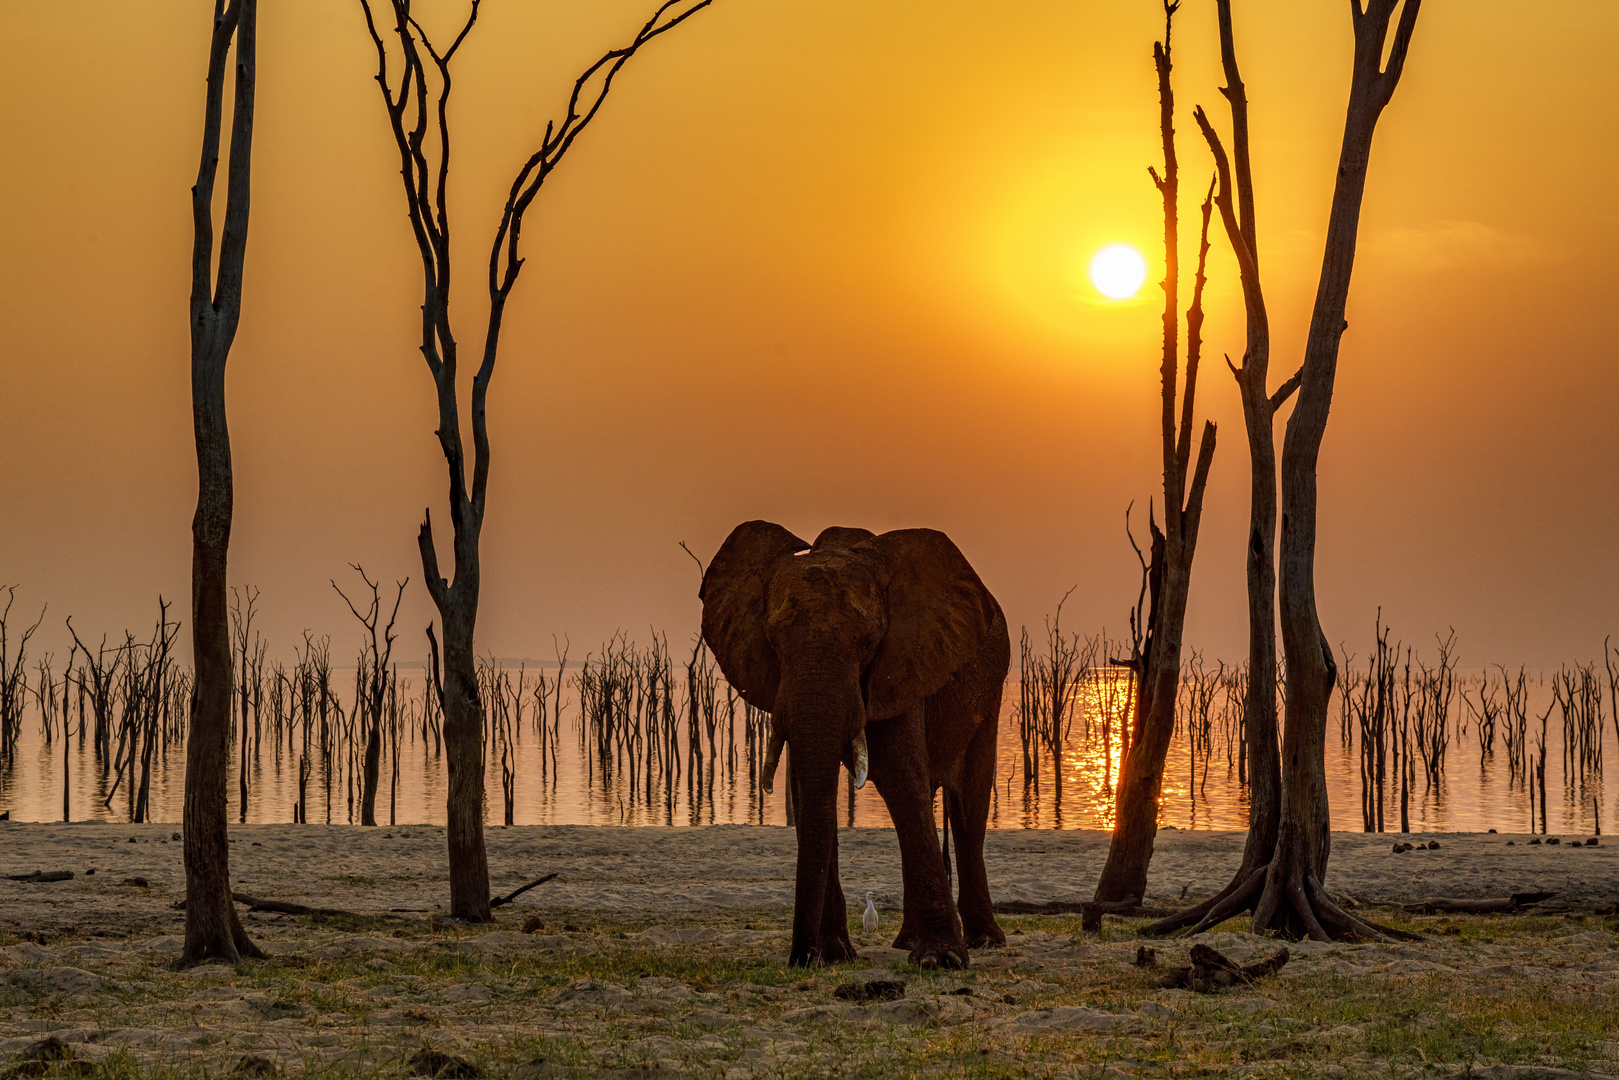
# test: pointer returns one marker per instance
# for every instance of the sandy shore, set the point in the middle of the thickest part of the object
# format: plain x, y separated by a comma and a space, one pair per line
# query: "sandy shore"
701, 869
660, 952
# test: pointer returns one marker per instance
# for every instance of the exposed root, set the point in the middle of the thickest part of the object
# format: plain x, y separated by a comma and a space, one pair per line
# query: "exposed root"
1239, 894
1353, 924
1294, 905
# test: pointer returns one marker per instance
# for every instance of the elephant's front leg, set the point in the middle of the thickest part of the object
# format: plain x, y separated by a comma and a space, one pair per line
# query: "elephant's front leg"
820, 913
899, 766
836, 947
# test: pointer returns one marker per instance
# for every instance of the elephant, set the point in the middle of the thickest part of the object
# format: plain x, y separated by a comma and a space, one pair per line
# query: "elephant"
888, 655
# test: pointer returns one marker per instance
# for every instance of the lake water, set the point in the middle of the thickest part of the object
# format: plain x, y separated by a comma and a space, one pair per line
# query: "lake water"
1069, 790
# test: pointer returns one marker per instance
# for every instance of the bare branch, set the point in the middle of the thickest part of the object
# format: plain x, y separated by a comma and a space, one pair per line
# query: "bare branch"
702, 571
1169, 190
1200, 480
1402, 45
505, 259
1236, 95
1285, 391
437, 587
1194, 339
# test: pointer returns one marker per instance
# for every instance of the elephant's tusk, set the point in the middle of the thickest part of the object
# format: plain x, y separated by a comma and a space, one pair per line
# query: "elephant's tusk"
772, 758
861, 762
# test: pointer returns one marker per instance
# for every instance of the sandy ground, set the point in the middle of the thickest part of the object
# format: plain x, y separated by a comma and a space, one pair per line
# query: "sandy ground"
660, 952
703, 869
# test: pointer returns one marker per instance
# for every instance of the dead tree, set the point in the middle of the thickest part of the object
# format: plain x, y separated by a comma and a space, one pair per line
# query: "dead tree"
1259, 405
143, 704
424, 169
1285, 862
100, 691
1294, 900
245, 648
212, 928
1157, 662
375, 652
13, 679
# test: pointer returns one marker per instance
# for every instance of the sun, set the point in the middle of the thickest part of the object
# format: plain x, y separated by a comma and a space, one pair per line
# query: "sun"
1117, 271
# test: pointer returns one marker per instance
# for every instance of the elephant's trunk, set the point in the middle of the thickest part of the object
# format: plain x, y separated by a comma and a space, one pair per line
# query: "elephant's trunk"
814, 778
821, 713
862, 759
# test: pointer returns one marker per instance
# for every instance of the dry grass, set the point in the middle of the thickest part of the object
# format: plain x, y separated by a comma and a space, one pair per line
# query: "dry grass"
592, 994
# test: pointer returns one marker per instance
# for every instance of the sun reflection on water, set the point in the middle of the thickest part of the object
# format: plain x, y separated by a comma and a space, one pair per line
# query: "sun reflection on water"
1071, 787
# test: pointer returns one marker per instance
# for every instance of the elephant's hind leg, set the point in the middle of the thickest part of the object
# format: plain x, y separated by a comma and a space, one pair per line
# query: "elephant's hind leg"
931, 930
969, 816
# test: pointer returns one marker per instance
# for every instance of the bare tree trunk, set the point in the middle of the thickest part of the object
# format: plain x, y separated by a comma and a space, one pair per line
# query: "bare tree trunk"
1262, 761
212, 928
1157, 669
1294, 901
410, 112
1285, 857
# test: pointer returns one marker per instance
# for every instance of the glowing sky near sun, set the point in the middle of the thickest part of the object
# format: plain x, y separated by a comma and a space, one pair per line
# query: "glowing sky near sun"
821, 262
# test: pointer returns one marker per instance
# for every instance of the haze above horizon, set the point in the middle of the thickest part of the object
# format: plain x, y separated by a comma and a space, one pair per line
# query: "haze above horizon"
820, 263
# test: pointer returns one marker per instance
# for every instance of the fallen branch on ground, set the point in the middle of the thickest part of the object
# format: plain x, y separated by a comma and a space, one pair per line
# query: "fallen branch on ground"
42, 875
1212, 970
279, 907
1440, 905
254, 903
515, 893
1066, 907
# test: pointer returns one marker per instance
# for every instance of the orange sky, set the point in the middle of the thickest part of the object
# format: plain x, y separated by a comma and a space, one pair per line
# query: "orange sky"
819, 262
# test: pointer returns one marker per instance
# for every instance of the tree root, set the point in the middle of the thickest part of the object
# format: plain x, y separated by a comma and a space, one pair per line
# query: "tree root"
1295, 905
1239, 895
1349, 925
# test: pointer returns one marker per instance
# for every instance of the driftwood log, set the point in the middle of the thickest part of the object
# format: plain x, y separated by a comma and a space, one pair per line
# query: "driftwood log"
1089, 911
1440, 905
281, 907
1212, 970
255, 903
42, 876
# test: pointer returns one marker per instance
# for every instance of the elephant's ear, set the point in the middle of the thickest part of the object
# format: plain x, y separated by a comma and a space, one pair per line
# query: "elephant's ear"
733, 595
940, 616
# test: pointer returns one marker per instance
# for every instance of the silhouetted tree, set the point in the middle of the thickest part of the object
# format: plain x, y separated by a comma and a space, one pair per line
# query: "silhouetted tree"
1285, 859
375, 650
1156, 662
1259, 407
424, 169
212, 928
